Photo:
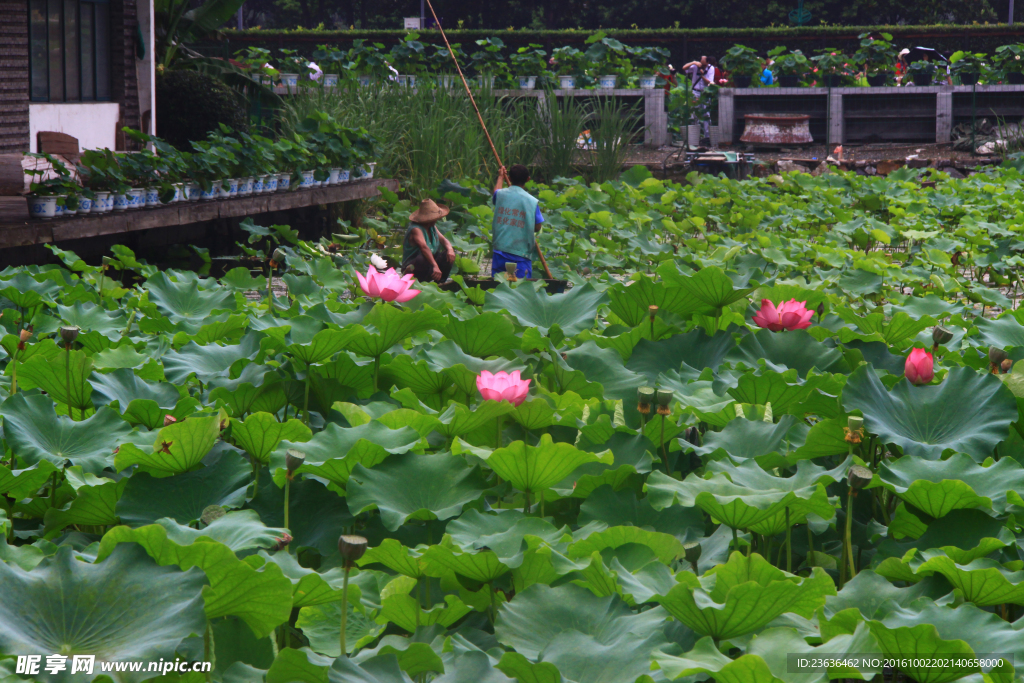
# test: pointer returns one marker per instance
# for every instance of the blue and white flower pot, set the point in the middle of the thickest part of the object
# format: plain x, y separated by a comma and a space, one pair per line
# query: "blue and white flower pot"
647, 82
213, 192
120, 202
136, 198
284, 181
307, 180
290, 80
152, 197
607, 82
364, 81
330, 80
43, 208
335, 176
102, 202
567, 82
345, 175
527, 82
84, 205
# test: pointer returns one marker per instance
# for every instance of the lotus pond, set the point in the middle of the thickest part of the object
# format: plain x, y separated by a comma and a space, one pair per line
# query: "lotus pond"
694, 484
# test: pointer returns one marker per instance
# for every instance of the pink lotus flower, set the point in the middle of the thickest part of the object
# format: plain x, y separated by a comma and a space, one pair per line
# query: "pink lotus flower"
389, 285
920, 368
789, 315
503, 386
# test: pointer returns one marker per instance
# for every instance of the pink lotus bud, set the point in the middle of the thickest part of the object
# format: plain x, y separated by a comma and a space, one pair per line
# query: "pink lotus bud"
389, 285
920, 368
503, 386
789, 315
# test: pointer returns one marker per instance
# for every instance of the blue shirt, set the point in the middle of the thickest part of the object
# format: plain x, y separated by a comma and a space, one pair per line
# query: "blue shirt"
767, 77
537, 219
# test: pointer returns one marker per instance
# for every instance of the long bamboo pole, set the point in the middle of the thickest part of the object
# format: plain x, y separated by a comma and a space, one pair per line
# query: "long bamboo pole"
480, 117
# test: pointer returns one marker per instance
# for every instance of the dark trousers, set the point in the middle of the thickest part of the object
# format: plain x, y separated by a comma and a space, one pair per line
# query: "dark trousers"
422, 269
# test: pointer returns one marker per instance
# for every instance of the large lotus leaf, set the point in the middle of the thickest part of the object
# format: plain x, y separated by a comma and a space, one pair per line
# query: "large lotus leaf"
94, 503
321, 625
261, 433
462, 368
504, 533
770, 444
782, 390
795, 349
322, 346
52, 376
984, 582
523, 670
208, 362
927, 631
969, 412
257, 388
746, 496
631, 301
1004, 332
313, 588
234, 644
873, 596
474, 666
222, 480
183, 296
92, 318
35, 432
415, 656
299, 666
483, 566
572, 311
106, 609
347, 372
417, 376
707, 659
20, 484
606, 507
386, 325
743, 595
396, 557
487, 334
458, 420
540, 619
937, 488
710, 286
262, 597
124, 387
334, 452
532, 469
664, 546
405, 612
419, 487
605, 367
315, 513
24, 291
696, 349
178, 448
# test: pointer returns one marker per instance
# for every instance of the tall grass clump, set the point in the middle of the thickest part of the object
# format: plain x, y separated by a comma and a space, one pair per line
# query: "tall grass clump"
563, 121
612, 129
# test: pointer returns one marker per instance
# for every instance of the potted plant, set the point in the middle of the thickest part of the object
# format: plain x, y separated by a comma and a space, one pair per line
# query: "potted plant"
55, 193
291, 159
293, 66
210, 168
369, 62
682, 108
922, 72
791, 67
257, 62
101, 174
833, 66
608, 58
744, 63
439, 62
407, 57
1010, 60
529, 63
333, 62
568, 63
489, 63
967, 66
647, 62
878, 55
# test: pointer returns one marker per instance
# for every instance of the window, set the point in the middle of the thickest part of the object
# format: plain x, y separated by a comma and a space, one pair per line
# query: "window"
69, 50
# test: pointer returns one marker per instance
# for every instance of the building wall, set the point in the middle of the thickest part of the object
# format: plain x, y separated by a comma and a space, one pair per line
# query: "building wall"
93, 123
147, 89
13, 76
125, 81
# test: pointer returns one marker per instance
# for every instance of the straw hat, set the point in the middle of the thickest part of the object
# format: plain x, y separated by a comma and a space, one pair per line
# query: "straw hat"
428, 212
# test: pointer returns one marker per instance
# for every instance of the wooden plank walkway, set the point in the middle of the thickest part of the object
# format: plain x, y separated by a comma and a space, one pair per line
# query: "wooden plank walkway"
16, 230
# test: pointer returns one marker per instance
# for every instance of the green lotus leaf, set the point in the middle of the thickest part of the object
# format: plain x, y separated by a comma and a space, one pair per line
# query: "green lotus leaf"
417, 376
420, 487
123, 386
178, 448
605, 507
386, 325
396, 557
633, 572
403, 610
94, 503
825, 438
222, 480
705, 658
665, 546
984, 582
586, 637
208, 362
604, 367
769, 444
894, 331
631, 301
234, 643
696, 349
315, 513
784, 391
367, 445
20, 484
484, 335
503, 533
184, 296
743, 595
710, 286
474, 666
261, 433
321, 624
745, 496
1004, 332
460, 367
415, 657
483, 566
459, 420
105, 609
937, 488
322, 346
932, 631
347, 371
92, 318
258, 388
523, 670
34, 432
52, 376
299, 666
572, 311
259, 597
969, 412
795, 349
24, 291
533, 469
873, 596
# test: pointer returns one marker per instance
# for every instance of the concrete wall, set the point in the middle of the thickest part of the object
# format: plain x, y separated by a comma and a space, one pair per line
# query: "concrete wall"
93, 123
147, 89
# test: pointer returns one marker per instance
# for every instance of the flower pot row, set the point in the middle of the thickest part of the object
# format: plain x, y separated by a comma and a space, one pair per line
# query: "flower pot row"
453, 82
62, 206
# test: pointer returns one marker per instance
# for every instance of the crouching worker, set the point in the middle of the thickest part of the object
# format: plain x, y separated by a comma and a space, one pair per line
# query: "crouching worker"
517, 218
426, 253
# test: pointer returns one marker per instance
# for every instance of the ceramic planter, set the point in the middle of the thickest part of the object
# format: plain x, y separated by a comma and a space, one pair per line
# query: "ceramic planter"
290, 80
567, 82
213, 192
407, 80
120, 202
84, 205
270, 183
607, 82
43, 208
307, 180
364, 81
152, 197
330, 80
136, 198
647, 82
345, 175
102, 202
284, 181
485, 81
693, 135
527, 82
335, 176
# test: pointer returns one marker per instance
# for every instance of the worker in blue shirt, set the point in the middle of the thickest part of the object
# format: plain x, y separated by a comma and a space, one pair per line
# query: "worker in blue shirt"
767, 77
517, 219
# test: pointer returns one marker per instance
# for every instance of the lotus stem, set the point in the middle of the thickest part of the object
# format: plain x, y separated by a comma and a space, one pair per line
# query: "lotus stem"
810, 541
53, 490
848, 538
305, 399
789, 544
344, 610
541, 503
270, 292
735, 539
287, 494
664, 448
376, 372
14, 373
493, 610
208, 649
526, 503
67, 377
256, 478
128, 327
497, 439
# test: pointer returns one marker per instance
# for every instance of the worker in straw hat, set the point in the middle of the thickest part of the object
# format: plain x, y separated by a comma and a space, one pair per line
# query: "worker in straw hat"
426, 253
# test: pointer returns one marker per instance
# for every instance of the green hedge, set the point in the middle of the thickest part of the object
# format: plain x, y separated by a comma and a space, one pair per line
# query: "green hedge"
683, 43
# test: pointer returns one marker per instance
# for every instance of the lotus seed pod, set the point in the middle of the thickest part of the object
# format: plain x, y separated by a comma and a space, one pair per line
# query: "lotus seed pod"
169, 420
940, 335
69, 333
1006, 366
645, 395
653, 309
24, 335
858, 477
996, 355
691, 551
294, 459
279, 256
212, 513
854, 422
351, 548
664, 397
107, 261
510, 268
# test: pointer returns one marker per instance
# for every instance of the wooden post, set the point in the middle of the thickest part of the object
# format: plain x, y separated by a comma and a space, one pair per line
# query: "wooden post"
944, 114
726, 115
655, 118
836, 127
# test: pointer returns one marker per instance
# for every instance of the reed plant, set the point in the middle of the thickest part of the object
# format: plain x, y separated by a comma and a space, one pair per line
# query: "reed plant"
563, 122
613, 127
